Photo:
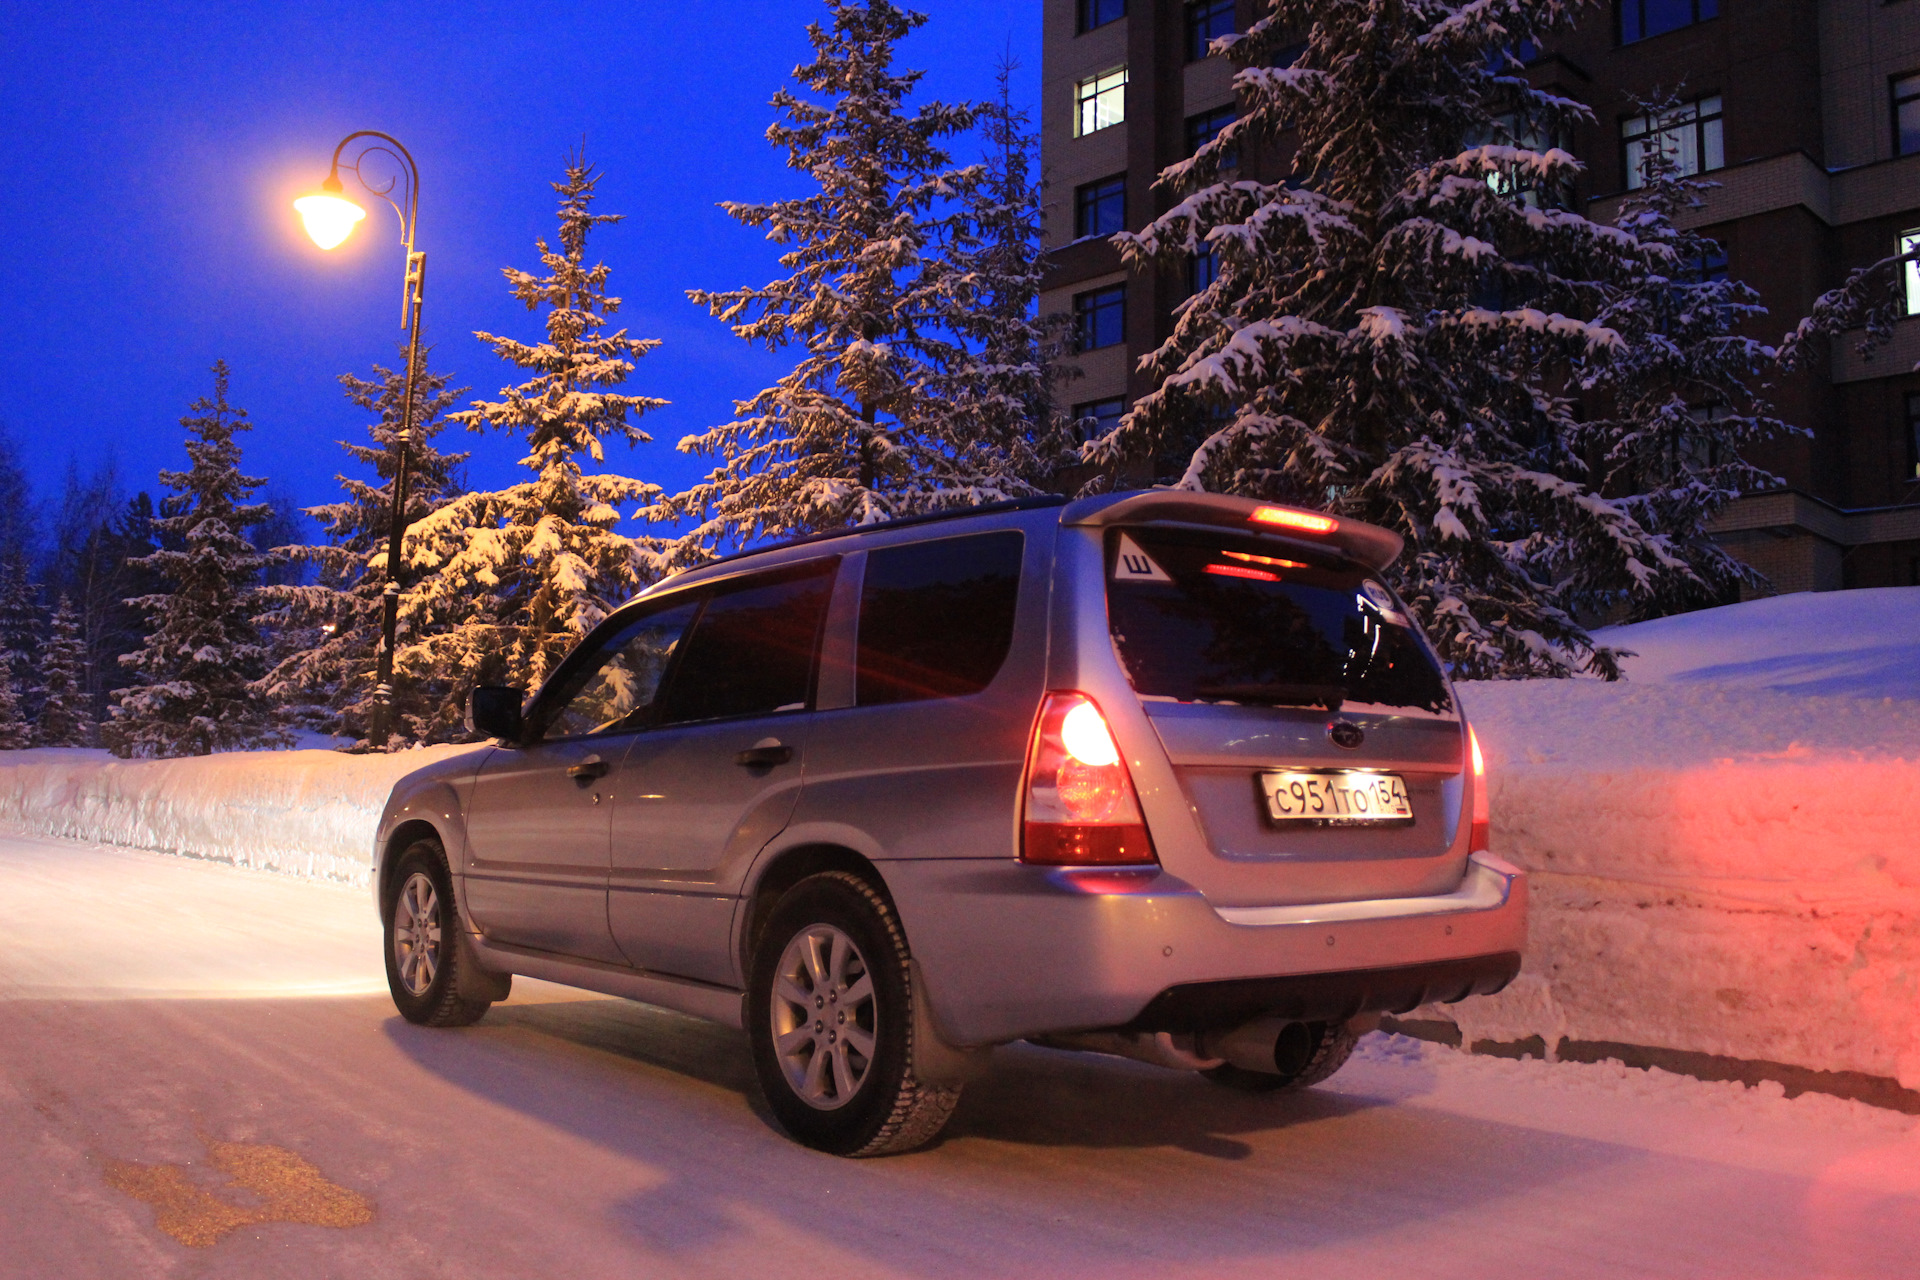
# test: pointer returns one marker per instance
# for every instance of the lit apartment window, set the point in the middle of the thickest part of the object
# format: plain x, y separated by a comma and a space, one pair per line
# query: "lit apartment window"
1205, 20
1100, 318
1206, 126
1100, 101
1910, 271
1913, 439
1642, 18
1097, 418
1689, 134
1906, 115
1098, 13
1100, 208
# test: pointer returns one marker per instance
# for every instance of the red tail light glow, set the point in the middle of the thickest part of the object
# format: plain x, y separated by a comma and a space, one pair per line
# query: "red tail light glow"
1081, 809
1286, 518
1482, 810
1243, 571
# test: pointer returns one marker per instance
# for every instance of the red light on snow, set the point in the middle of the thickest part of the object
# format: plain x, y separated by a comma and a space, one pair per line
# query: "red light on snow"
1285, 518
1242, 571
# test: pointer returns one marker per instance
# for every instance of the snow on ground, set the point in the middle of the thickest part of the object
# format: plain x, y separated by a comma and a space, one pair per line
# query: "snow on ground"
1722, 848
151, 1007
307, 813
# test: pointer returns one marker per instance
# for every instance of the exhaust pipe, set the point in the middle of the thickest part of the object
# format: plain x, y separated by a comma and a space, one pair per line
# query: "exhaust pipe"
1260, 1045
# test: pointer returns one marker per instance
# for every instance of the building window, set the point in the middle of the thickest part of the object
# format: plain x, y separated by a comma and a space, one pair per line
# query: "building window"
1207, 19
1206, 126
1642, 18
1689, 134
1906, 115
1100, 318
1910, 271
1202, 270
1709, 265
1913, 437
1100, 101
1098, 418
1098, 13
1100, 208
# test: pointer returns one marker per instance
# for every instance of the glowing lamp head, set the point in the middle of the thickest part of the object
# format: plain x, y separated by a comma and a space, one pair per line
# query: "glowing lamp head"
329, 216
1287, 518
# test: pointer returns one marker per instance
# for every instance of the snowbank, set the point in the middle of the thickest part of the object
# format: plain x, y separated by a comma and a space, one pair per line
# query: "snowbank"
1724, 856
305, 813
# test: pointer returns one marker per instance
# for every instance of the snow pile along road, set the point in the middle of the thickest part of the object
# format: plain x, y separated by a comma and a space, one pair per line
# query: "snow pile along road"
305, 813
1724, 851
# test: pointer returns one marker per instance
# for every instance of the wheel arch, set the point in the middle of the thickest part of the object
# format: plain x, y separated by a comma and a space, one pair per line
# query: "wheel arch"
398, 841
783, 870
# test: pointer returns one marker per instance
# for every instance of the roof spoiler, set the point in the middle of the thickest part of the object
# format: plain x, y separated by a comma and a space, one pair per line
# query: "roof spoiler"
1368, 543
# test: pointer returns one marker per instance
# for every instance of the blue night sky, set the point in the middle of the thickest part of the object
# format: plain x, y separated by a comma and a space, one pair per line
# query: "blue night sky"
146, 229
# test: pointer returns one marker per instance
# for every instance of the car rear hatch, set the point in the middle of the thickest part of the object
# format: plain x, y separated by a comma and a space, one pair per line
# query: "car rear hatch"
1306, 718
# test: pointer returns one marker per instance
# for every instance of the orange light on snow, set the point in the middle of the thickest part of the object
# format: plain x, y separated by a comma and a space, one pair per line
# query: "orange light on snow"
1286, 518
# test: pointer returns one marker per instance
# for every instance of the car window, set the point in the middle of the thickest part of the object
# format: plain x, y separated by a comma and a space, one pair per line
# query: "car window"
751, 650
936, 618
1203, 617
616, 688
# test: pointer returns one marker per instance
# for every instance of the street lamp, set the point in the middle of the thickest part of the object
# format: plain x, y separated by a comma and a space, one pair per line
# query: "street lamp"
330, 218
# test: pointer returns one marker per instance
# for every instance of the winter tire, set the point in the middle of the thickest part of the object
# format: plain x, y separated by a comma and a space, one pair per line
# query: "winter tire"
830, 1018
428, 961
1308, 1053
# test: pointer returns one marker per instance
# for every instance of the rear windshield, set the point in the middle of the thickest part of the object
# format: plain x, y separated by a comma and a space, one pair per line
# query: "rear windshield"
1206, 617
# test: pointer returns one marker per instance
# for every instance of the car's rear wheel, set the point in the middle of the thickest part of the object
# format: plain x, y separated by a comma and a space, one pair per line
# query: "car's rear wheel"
830, 1017
425, 955
1305, 1054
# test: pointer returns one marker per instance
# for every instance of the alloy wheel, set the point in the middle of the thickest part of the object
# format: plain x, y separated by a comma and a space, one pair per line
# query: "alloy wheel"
824, 1017
416, 933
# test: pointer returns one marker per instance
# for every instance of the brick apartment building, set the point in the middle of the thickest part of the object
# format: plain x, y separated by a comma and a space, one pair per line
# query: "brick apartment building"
1806, 112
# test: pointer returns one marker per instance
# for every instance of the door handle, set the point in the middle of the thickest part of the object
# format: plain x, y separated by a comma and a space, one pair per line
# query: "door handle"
763, 755
588, 771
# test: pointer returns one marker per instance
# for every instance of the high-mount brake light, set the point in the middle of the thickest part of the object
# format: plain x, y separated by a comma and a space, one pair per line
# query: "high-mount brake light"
1286, 518
1482, 829
1243, 571
1081, 809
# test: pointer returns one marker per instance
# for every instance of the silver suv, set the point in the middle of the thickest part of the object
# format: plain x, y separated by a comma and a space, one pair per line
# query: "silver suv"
1158, 774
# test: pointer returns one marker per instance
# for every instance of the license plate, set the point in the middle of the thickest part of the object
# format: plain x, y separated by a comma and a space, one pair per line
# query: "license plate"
1336, 797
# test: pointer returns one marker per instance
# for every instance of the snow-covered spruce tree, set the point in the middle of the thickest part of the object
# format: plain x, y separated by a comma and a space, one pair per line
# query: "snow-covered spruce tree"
331, 675
506, 582
21, 622
197, 670
65, 718
1678, 401
861, 429
1001, 389
1398, 323
16, 732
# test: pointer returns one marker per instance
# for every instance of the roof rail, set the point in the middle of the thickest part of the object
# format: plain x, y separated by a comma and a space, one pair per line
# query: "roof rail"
1034, 503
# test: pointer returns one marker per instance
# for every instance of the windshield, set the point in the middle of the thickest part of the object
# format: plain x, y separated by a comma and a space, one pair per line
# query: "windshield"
1210, 617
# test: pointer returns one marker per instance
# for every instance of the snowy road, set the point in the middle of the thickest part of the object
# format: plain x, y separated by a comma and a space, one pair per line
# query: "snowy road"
211, 1051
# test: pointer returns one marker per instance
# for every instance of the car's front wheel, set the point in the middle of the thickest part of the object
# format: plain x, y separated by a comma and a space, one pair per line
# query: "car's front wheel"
830, 1017
425, 957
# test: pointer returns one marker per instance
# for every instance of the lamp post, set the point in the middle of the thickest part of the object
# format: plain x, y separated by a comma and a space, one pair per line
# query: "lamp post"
330, 218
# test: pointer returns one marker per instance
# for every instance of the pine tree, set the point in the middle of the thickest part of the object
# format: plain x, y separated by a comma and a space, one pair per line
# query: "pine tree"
20, 626
16, 732
64, 719
332, 626
1398, 323
204, 653
1002, 388
508, 581
1678, 396
860, 430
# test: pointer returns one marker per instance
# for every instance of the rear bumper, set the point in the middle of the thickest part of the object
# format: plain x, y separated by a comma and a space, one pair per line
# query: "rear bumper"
1009, 951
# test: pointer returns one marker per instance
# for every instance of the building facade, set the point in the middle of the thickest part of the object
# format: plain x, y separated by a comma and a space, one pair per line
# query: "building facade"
1805, 112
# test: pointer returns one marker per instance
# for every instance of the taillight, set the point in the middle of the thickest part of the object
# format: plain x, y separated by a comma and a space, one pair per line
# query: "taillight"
1482, 810
1081, 809
1287, 518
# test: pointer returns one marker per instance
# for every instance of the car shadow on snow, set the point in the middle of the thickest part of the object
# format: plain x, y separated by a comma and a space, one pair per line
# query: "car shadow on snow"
1042, 1138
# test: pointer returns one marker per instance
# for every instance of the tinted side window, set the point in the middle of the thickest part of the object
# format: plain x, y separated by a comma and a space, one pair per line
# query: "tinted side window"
616, 689
936, 618
751, 651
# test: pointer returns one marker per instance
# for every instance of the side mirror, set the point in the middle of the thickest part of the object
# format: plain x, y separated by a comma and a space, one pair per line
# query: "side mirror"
494, 711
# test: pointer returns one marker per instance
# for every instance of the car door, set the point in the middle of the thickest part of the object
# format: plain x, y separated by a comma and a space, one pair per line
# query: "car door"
540, 819
718, 773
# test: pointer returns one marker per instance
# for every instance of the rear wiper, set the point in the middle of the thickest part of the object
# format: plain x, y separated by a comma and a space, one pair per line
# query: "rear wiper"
1329, 696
